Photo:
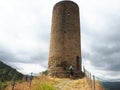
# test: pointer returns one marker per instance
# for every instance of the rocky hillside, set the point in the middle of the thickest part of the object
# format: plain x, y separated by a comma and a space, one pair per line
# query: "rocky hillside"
7, 73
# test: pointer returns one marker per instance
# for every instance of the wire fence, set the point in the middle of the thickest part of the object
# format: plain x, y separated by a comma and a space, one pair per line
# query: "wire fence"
92, 80
94, 84
14, 80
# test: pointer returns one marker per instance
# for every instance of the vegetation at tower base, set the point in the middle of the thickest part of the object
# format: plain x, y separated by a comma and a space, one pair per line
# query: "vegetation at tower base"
45, 72
7, 73
44, 82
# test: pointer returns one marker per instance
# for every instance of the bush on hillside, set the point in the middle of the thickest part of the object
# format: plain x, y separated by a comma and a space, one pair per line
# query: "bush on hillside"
44, 86
45, 72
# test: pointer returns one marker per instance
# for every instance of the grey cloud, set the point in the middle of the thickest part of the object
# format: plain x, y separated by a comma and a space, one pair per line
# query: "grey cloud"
104, 56
36, 57
5, 55
105, 48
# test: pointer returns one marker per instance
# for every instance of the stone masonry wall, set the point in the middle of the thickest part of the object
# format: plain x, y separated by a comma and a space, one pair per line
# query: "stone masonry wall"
65, 46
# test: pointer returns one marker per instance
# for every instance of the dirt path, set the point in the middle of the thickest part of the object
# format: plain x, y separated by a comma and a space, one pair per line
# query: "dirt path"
69, 84
61, 85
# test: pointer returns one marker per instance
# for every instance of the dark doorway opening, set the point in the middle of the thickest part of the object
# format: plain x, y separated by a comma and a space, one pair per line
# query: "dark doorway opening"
77, 62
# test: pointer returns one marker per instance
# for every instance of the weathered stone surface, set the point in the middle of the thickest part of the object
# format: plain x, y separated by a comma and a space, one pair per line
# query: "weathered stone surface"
65, 44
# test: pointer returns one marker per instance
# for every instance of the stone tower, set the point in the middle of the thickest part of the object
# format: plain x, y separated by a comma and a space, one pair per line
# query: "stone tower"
65, 44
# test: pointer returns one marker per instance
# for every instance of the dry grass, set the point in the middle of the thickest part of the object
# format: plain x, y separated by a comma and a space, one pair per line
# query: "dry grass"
49, 83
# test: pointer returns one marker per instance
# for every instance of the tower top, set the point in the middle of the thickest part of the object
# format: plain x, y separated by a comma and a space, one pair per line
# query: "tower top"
65, 2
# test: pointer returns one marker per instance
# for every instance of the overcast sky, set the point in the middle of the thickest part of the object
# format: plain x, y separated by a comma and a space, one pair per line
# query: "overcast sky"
25, 27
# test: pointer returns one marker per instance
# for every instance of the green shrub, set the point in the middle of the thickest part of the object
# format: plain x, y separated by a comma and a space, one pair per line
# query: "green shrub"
3, 85
0, 85
45, 72
45, 86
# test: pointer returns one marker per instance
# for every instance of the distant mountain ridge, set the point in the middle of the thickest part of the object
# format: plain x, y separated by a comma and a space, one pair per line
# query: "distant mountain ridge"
7, 73
111, 85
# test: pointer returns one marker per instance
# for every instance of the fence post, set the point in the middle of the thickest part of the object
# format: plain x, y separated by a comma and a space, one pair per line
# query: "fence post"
2, 83
90, 82
13, 81
94, 82
83, 69
85, 75
13, 84
31, 77
89, 79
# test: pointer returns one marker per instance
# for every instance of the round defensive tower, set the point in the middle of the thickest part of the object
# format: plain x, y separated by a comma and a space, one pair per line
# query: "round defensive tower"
65, 44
